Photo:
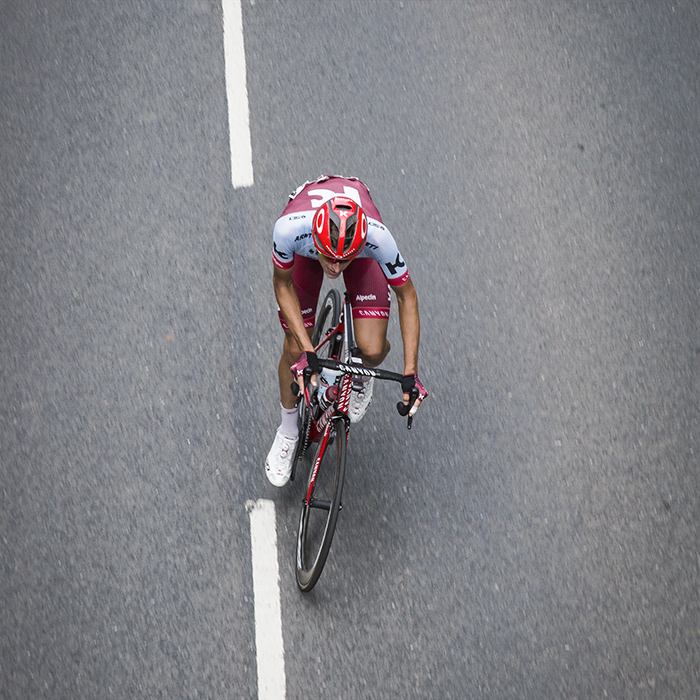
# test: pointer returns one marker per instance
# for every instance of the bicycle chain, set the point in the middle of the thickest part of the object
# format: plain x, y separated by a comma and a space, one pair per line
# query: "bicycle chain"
305, 437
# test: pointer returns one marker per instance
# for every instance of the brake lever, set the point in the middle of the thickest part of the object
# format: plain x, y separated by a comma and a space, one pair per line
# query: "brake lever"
307, 379
404, 409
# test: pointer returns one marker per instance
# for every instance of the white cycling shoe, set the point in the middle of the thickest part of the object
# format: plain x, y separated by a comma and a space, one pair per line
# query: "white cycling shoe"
360, 399
278, 465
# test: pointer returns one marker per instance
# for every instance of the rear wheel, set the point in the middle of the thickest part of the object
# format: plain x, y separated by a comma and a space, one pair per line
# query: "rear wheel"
327, 319
319, 512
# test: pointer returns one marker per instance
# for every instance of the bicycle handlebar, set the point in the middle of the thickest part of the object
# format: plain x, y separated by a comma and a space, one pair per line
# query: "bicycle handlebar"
362, 371
359, 370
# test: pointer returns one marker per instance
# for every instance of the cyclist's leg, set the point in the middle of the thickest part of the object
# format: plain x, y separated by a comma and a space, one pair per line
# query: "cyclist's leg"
308, 278
279, 462
370, 336
370, 298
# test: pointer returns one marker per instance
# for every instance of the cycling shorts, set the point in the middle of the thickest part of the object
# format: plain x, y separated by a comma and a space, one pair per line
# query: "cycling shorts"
366, 284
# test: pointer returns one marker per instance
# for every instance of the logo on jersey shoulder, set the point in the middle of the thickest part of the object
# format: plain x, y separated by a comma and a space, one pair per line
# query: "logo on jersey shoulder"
279, 253
376, 225
397, 265
302, 236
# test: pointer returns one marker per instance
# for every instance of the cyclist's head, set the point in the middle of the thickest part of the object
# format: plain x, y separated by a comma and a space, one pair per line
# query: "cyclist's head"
340, 229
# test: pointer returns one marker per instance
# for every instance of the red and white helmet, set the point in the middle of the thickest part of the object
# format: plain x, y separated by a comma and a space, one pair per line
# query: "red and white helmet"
340, 228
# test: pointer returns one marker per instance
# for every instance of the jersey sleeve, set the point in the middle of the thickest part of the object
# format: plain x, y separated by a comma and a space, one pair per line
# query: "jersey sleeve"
382, 247
283, 239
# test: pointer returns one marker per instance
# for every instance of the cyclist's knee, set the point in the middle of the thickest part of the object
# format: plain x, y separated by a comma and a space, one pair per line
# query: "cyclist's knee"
373, 353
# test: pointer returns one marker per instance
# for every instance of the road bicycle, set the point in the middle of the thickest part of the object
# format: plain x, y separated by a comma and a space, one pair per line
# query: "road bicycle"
323, 419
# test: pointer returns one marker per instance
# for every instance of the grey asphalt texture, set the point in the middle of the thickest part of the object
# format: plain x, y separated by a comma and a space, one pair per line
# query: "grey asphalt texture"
536, 534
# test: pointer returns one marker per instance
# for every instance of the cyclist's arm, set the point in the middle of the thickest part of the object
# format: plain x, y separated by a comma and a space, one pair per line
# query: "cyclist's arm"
409, 321
288, 302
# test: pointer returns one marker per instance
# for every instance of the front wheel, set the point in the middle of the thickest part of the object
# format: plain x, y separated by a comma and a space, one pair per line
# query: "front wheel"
319, 512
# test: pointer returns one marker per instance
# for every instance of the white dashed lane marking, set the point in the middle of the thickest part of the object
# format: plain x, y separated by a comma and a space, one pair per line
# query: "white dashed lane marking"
237, 95
266, 591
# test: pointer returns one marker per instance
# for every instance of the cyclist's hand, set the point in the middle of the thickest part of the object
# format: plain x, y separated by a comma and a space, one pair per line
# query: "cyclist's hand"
408, 384
306, 359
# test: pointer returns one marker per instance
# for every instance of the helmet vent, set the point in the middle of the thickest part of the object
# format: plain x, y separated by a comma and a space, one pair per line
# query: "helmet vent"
334, 234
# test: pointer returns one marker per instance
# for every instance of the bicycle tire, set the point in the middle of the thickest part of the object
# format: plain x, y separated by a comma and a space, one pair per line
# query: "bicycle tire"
327, 319
319, 512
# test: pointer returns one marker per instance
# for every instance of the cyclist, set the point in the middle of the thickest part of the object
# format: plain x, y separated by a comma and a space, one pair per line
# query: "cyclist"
331, 226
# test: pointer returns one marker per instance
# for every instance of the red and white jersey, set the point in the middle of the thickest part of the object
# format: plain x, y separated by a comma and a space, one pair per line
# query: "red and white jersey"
292, 234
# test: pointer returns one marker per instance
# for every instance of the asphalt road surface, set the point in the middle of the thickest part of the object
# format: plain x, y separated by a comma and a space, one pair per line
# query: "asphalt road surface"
536, 534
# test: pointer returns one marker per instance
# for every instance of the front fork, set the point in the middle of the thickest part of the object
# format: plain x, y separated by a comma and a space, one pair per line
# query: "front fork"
326, 441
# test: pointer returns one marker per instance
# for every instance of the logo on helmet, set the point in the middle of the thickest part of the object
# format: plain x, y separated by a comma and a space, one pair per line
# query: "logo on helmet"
320, 220
343, 203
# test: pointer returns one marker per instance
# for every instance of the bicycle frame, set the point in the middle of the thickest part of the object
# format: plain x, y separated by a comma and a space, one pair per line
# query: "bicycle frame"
350, 364
322, 499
